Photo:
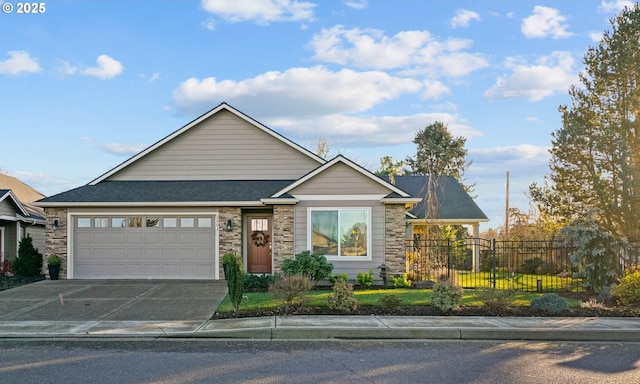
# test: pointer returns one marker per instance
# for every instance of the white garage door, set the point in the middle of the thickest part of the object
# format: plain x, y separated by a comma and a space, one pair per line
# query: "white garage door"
136, 247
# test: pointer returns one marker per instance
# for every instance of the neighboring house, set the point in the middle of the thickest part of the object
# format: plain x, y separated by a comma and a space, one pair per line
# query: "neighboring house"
19, 217
226, 183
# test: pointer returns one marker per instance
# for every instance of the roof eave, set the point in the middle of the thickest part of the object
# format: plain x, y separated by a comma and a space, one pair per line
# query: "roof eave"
106, 204
447, 221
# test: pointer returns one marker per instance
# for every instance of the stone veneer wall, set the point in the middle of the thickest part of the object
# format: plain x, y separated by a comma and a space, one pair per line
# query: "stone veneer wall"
56, 239
282, 242
394, 253
230, 241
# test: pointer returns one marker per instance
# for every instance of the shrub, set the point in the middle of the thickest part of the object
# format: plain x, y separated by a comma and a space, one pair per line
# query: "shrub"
597, 252
550, 302
446, 296
390, 301
258, 283
627, 292
531, 265
339, 276
488, 261
365, 279
291, 290
401, 282
29, 260
53, 260
234, 273
342, 298
309, 264
496, 299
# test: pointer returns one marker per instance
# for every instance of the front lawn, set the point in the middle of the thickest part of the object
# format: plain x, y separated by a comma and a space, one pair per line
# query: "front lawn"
263, 302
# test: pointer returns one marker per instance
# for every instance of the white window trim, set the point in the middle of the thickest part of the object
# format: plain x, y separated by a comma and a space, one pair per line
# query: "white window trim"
336, 257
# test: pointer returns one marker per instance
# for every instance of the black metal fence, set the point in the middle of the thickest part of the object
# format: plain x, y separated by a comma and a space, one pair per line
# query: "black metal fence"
535, 266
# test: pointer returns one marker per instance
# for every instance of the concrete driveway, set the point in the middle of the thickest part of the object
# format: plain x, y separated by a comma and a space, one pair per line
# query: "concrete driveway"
113, 300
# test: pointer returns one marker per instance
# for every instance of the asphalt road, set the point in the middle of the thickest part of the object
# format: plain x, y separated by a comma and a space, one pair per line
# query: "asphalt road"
244, 361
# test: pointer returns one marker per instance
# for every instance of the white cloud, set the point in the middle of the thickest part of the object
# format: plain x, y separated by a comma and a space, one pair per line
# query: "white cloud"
615, 6
526, 158
551, 74
65, 68
297, 91
19, 62
44, 183
262, 12
596, 37
107, 68
463, 17
209, 24
413, 51
433, 89
357, 4
545, 22
123, 149
355, 131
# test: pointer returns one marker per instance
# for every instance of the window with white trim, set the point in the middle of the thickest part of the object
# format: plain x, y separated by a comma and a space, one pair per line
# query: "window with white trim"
340, 233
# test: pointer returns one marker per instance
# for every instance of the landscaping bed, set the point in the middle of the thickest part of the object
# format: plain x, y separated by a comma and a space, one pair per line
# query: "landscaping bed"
589, 307
8, 282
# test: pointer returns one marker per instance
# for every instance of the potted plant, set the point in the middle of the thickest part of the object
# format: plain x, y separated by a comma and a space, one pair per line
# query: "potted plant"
53, 262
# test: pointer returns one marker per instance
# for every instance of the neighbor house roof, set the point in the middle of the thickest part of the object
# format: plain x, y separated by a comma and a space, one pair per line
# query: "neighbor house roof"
191, 192
22, 196
451, 204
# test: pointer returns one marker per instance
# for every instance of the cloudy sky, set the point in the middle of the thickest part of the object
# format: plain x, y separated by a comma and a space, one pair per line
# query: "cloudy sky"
87, 84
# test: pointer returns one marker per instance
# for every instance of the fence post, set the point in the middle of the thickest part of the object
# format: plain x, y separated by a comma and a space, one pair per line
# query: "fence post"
449, 259
493, 263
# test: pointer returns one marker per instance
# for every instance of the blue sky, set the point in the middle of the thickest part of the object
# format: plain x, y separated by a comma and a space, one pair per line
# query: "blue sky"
87, 84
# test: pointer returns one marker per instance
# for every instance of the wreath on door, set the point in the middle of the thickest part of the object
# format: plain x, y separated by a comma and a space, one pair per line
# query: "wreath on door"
259, 238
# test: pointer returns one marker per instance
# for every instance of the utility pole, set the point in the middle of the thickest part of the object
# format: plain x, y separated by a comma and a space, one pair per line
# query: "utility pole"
506, 213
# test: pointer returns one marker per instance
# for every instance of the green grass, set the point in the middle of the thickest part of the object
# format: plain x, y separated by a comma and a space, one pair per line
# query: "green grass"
518, 281
370, 297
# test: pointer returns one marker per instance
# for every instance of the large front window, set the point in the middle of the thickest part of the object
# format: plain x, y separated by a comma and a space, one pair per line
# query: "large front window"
340, 233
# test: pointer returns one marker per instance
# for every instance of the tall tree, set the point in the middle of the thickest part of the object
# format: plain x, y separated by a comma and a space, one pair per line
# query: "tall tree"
439, 153
595, 155
391, 168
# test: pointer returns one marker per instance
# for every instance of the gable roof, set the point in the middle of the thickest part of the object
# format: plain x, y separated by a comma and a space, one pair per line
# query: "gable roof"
163, 193
396, 193
7, 194
222, 107
22, 191
453, 203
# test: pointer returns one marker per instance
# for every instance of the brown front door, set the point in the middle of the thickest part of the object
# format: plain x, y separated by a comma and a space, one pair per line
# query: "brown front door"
259, 244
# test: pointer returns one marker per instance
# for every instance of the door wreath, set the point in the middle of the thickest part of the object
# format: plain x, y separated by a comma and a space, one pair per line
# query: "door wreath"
259, 238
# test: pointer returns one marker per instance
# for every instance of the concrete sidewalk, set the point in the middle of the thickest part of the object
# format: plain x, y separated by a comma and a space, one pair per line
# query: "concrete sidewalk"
343, 327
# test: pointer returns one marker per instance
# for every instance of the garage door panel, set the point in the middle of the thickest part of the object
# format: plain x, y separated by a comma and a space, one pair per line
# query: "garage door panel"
141, 252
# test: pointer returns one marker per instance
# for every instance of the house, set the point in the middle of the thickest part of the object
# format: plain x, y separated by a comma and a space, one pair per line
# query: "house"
226, 183
19, 217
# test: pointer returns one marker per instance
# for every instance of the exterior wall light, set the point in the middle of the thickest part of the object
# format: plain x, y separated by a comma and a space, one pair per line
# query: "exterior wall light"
229, 225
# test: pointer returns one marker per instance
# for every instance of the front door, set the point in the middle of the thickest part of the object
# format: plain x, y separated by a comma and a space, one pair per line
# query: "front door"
259, 244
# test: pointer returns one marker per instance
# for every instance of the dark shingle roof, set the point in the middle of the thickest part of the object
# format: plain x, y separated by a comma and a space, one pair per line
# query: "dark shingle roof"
170, 191
453, 202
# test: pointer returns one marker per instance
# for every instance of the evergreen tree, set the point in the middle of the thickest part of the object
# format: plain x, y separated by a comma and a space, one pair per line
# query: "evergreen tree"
595, 155
439, 153
29, 260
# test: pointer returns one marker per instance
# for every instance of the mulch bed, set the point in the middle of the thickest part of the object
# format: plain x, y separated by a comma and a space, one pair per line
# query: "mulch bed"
8, 282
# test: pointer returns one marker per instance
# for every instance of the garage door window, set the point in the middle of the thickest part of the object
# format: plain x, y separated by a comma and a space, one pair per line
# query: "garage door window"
169, 222
101, 222
152, 222
187, 222
84, 222
117, 222
204, 222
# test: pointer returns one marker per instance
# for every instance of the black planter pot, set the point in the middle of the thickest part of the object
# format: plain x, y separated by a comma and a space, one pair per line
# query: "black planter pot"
54, 271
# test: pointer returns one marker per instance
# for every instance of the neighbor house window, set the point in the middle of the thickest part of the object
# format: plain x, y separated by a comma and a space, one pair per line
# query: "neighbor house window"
340, 233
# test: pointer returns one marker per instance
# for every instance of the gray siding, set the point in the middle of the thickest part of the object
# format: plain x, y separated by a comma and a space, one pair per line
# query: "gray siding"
223, 147
10, 239
7, 208
39, 235
377, 235
340, 179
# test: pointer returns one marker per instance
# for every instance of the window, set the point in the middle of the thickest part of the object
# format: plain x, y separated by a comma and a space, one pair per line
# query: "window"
84, 222
204, 222
101, 222
169, 222
134, 222
187, 222
340, 233
117, 222
152, 222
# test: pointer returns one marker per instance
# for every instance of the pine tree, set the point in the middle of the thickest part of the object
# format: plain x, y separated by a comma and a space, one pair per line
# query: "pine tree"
595, 155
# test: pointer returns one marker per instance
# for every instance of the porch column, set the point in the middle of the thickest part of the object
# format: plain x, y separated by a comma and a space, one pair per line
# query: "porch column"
476, 247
